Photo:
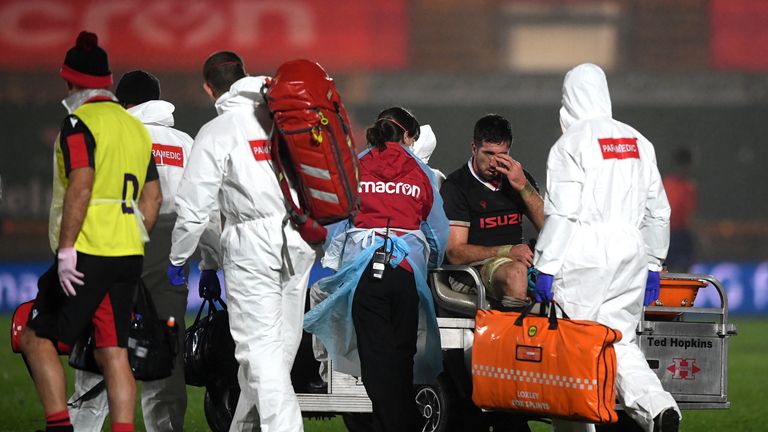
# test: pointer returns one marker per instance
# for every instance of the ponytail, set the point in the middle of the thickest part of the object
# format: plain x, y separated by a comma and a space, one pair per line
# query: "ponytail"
391, 126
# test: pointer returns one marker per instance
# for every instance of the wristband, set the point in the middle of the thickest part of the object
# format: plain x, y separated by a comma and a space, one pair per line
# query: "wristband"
527, 190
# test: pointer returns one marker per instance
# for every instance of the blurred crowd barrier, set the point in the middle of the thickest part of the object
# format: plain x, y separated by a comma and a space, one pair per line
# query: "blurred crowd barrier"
746, 285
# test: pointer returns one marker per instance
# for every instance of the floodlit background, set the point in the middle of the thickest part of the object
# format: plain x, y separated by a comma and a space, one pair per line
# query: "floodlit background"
686, 73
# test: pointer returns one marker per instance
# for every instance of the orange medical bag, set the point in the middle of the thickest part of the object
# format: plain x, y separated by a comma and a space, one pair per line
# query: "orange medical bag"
544, 365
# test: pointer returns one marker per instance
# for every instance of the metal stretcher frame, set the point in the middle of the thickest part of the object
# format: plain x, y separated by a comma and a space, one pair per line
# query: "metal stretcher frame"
698, 320
453, 330
347, 394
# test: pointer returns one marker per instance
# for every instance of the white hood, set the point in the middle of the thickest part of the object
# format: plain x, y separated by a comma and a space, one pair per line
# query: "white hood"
585, 95
425, 145
154, 112
245, 92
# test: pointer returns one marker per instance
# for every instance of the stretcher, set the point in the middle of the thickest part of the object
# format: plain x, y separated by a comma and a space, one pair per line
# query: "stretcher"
686, 345
689, 351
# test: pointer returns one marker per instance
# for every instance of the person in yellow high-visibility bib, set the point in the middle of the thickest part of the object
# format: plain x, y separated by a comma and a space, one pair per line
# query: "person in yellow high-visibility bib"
106, 199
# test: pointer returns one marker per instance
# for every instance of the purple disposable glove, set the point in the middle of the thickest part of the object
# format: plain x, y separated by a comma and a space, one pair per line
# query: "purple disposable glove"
652, 286
544, 287
176, 275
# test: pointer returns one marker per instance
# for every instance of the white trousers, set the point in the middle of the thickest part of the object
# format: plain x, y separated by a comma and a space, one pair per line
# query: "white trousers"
603, 279
266, 312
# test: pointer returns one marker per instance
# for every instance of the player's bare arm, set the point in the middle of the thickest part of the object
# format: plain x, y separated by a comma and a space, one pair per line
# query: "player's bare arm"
76, 201
460, 252
149, 203
513, 170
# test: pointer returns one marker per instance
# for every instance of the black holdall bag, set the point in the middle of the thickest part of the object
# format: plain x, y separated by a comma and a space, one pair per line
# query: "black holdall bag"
152, 343
209, 350
81, 357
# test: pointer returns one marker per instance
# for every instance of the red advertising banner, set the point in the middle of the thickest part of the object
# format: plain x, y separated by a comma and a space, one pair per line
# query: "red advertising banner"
740, 34
180, 34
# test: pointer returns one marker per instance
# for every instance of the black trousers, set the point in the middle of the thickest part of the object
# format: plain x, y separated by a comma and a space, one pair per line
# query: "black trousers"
385, 313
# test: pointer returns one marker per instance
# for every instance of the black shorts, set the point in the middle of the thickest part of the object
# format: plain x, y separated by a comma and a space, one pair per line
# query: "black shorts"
105, 300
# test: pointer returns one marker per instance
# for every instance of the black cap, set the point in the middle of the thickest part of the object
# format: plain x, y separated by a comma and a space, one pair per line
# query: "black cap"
137, 87
86, 64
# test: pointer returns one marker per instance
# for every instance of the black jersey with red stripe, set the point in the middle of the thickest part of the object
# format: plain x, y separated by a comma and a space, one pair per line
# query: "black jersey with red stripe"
494, 218
78, 144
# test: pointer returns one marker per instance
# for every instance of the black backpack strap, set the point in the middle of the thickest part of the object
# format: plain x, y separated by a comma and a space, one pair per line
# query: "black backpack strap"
284, 250
90, 394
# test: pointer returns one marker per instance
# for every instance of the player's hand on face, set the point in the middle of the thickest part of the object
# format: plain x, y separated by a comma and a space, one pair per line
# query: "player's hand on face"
511, 168
522, 253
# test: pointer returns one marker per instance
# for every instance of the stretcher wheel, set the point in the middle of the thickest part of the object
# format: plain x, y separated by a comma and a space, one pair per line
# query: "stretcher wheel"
434, 406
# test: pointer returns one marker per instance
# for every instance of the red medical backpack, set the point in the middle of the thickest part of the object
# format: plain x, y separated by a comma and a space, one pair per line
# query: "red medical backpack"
312, 147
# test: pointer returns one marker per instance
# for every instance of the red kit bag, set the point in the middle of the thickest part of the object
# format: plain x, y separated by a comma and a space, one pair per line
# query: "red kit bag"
19, 323
312, 147
544, 365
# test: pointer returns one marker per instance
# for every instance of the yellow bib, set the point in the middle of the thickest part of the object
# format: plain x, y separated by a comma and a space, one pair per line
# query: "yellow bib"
121, 157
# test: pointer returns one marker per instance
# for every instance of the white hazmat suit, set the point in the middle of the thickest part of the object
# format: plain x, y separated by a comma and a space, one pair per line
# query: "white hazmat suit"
266, 263
606, 225
163, 401
424, 147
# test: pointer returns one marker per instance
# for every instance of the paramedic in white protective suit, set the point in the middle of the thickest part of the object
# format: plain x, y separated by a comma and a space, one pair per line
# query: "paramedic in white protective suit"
605, 235
164, 401
266, 263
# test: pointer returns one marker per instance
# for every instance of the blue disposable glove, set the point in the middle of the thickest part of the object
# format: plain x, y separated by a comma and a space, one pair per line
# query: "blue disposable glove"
544, 287
176, 275
209, 287
652, 286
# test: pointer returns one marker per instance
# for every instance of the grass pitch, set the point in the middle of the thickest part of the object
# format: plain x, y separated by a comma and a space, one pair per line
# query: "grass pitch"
747, 374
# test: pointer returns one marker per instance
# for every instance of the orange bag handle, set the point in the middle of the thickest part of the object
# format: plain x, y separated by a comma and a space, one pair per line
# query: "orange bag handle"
553, 306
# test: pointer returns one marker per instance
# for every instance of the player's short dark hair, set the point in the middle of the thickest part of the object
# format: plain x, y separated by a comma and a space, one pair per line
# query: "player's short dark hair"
222, 69
492, 128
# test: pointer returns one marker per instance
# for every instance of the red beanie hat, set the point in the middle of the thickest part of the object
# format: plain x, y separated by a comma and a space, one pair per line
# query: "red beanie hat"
86, 64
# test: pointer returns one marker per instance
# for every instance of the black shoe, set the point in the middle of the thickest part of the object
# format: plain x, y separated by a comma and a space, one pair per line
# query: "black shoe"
667, 421
317, 386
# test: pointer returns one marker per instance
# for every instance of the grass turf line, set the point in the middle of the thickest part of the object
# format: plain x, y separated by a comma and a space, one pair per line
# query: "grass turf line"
20, 409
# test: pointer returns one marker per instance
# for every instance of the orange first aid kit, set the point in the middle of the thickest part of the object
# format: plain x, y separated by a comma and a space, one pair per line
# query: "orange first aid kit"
544, 365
